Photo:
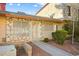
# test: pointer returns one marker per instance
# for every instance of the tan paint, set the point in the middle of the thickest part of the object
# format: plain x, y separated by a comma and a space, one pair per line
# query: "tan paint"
50, 9
2, 28
61, 11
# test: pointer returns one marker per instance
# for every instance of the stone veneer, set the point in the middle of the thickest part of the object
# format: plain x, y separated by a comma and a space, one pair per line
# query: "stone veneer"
19, 30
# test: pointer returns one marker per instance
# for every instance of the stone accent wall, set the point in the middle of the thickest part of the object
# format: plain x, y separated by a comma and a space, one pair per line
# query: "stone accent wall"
17, 30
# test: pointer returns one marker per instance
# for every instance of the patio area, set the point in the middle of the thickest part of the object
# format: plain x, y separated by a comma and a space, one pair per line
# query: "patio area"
67, 46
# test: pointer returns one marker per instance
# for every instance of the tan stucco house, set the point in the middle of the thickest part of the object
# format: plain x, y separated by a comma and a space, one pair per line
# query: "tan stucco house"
63, 11
17, 27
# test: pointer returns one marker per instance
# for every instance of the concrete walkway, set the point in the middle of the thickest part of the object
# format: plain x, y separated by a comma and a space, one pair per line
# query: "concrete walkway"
52, 50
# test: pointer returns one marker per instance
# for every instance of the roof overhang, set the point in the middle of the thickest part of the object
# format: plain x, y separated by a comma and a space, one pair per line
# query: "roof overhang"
30, 17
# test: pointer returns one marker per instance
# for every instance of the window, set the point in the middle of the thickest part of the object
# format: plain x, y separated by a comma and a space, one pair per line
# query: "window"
69, 10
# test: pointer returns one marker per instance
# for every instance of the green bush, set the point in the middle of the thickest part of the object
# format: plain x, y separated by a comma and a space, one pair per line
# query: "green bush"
59, 36
68, 26
46, 40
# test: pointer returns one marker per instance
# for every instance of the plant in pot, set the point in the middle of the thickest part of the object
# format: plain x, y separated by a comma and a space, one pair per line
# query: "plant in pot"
45, 40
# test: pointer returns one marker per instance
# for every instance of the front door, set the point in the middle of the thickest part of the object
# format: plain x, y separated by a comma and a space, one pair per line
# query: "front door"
35, 31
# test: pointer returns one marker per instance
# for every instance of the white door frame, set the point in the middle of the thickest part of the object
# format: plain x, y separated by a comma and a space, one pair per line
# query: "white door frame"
35, 31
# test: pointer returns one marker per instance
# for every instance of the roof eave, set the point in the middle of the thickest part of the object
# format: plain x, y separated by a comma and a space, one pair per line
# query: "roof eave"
42, 8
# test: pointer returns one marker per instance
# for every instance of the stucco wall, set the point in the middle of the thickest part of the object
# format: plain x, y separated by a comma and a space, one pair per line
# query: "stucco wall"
60, 11
51, 9
2, 28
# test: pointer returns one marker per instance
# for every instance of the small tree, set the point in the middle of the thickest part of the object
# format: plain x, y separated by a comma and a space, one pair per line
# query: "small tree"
68, 27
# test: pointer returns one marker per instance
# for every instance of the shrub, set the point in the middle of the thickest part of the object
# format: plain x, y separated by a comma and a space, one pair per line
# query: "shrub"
68, 26
59, 36
46, 40
53, 36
